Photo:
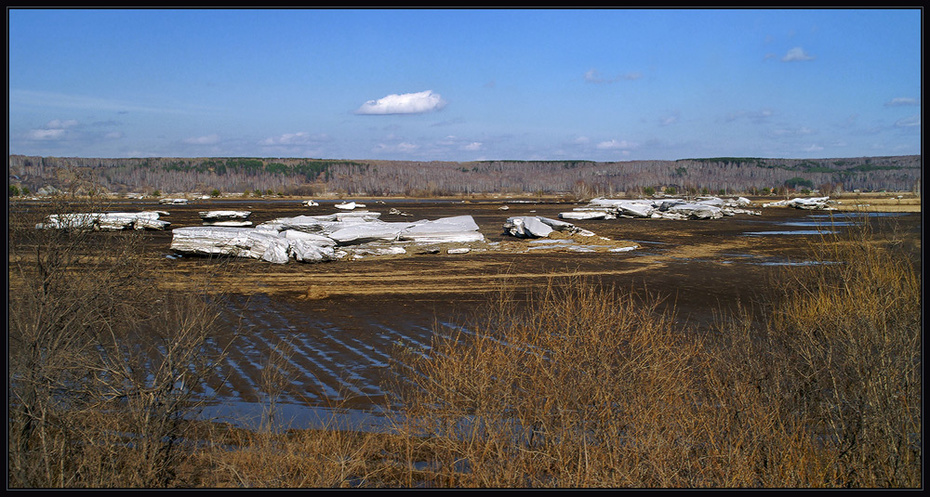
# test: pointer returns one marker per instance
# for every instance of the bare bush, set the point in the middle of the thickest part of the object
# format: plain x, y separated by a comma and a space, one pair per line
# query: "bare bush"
582, 386
102, 366
852, 328
579, 386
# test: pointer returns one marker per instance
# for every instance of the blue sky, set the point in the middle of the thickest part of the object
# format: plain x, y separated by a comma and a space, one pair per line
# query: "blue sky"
465, 85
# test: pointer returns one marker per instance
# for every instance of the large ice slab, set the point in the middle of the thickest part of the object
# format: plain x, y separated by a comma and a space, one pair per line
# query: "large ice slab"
224, 215
363, 232
111, 221
461, 229
267, 245
663, 208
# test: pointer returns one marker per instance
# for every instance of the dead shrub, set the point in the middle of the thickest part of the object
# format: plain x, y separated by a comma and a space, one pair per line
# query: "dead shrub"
577, 386
102, 366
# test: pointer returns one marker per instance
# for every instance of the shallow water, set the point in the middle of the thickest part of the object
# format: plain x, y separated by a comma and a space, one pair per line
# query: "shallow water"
789, 232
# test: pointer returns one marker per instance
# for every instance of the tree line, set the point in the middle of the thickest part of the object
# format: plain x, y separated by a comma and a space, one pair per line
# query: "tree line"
303, 176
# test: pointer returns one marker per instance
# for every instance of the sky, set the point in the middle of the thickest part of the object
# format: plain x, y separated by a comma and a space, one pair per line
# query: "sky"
463, 84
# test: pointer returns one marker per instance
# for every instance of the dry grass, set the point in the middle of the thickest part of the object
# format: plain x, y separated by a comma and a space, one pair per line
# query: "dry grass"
586, 387
879, 202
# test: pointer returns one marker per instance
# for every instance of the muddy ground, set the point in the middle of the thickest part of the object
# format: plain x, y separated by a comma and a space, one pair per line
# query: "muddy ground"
343, 319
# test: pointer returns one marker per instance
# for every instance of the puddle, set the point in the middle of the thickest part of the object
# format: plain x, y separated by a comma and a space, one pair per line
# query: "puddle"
858, 214
251, 415
816, 224
795, 263
790, 232
754, 260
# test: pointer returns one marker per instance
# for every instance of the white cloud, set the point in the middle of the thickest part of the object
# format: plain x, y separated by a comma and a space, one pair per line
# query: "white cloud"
616, 145
813, 148
898, 102
796, 54
45, 134
203, 140
113, 135
299, 138
593, 76
472, 146
407, 103
803, 130
59, 124
402, 147
56, 129
908, 122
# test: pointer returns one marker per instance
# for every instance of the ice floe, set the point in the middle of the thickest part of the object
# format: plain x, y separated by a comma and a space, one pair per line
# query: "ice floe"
349, 206
107, 221
322, 238
665, 208
226, 218
808, 203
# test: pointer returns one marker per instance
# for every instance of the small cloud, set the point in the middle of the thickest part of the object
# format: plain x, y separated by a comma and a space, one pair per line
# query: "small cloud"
900, 102
113, 135
908, 122
796, 54
582, 140
803, 130
593, 76
299, 138
813, 148
45, 134
402, 147
473, 146
203, 140
59, 124
407, 103
56, 129
615, 145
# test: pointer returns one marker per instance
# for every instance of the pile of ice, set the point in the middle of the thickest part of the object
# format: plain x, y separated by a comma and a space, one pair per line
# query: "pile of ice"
539, 227
226, 218
665, 208
106, 221
541, 231
327, 237
266, 245
812, 203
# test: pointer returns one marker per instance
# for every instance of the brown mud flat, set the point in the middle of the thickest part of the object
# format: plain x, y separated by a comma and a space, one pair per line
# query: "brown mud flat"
342, 320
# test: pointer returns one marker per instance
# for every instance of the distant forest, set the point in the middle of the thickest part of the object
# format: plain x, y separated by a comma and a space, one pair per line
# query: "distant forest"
312, 177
